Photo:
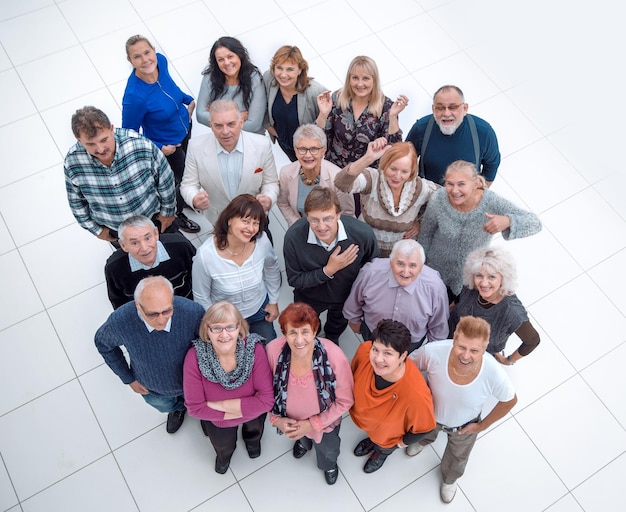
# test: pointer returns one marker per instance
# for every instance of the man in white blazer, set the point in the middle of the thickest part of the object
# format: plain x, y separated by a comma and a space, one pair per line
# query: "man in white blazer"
228, 162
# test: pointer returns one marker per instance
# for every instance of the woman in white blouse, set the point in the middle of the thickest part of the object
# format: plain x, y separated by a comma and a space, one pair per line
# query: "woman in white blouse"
237, 263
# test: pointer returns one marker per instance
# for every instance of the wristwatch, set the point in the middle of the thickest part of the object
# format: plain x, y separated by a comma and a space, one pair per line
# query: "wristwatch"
511, 363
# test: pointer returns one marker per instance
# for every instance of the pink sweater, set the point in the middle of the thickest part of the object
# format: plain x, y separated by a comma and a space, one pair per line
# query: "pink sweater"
302, 401
257, 393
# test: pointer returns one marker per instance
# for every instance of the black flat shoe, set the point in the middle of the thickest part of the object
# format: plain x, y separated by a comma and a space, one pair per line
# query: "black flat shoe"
331, 475
364, 447
299, 450
254, 451
186, 224
174, 421
221, 467
375, 462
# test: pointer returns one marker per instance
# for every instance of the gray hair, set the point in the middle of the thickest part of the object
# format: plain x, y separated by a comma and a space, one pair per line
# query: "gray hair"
448, 87
136, 221
407, 247
495, 260
149, 282
219, 106
309, 131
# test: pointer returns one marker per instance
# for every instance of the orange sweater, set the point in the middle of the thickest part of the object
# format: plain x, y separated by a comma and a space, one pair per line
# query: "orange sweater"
386, 415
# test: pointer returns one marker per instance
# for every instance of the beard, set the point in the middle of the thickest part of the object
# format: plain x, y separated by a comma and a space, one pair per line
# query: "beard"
447, 129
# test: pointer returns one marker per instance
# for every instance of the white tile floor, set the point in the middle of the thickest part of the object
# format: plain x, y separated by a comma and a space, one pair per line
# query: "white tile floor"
72, 438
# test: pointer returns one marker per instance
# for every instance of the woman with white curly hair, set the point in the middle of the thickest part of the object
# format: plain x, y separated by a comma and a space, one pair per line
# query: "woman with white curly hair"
489, 279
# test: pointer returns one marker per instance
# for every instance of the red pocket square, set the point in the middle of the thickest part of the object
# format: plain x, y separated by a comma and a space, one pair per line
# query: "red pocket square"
258, 170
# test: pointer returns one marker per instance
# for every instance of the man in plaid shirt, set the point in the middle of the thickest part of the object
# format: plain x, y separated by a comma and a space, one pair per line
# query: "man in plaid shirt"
114, 173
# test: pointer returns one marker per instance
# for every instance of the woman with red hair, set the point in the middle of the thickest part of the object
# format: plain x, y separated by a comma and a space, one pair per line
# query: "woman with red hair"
393, 197
313, 387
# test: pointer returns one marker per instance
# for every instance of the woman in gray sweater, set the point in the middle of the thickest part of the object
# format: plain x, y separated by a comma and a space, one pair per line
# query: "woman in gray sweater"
463, 216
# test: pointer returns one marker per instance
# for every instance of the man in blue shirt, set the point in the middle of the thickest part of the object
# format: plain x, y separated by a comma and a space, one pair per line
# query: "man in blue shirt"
456, 136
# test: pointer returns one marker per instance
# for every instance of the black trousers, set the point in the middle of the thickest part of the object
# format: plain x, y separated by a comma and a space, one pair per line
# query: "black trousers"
224, 439
327, 450
177, 163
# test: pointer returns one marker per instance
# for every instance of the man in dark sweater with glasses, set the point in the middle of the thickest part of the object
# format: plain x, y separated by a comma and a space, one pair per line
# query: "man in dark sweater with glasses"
157, 330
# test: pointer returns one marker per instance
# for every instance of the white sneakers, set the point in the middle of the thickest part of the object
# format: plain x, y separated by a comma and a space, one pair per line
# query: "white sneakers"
447, 492
414, 449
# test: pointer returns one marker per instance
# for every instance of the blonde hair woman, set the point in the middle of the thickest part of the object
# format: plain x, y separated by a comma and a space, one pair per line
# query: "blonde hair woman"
358, 113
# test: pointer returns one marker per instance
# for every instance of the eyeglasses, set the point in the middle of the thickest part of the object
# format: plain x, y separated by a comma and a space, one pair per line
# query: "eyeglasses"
157, 314
451, 108
303, 151
324, 220
216, 329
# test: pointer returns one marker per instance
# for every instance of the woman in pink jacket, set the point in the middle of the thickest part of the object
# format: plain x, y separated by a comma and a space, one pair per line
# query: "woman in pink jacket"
313, 387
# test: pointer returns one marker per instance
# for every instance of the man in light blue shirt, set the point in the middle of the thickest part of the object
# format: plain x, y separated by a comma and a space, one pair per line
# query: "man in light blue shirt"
228, 162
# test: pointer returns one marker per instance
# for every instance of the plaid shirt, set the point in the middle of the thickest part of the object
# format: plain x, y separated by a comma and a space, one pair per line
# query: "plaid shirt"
139, 182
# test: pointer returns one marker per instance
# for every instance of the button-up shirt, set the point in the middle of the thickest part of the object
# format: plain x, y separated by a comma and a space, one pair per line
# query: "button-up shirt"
138, 182
422, 305
231, 167
161, 256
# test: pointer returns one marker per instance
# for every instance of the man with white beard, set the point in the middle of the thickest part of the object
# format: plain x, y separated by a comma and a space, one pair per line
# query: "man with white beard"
460, 137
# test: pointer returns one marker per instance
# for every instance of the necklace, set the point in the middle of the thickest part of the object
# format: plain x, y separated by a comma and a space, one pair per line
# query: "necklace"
484, 302
236, 253
308, 182
461, 374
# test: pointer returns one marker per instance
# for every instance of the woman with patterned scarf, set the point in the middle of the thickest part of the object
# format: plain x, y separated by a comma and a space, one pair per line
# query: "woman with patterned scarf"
313, 387
227, 382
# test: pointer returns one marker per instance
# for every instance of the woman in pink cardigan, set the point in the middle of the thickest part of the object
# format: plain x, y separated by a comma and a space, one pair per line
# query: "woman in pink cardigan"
227, 382
313, 387
296, 180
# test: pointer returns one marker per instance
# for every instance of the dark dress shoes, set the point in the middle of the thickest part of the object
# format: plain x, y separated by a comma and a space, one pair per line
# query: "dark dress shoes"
221, 467
254, 451
331, 475
186, 224
375, 462
174, 421
364, 447
299, 450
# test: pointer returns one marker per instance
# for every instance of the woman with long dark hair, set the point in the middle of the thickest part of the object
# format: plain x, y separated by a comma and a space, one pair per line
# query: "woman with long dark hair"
231, 75
237, 263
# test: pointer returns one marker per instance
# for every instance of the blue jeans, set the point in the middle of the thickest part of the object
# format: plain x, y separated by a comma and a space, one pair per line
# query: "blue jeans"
165, 403
260, 326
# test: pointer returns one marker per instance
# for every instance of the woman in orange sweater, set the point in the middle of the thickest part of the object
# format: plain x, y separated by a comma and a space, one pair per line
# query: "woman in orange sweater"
392, 402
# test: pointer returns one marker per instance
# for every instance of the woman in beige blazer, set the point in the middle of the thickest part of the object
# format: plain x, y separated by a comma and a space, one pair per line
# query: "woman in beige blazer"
298, 178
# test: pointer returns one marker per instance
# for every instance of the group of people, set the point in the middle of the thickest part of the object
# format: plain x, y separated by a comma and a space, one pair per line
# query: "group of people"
388, 237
